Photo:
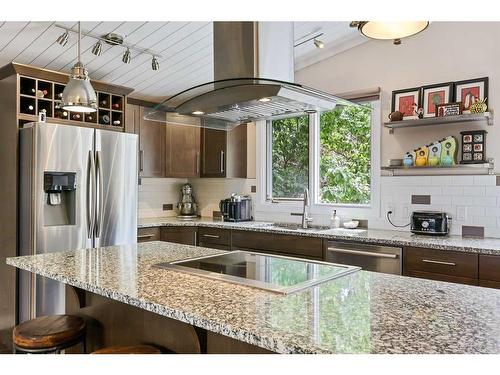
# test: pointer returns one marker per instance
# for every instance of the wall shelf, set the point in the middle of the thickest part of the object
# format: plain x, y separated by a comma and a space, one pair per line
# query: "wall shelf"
481, 118
459, 169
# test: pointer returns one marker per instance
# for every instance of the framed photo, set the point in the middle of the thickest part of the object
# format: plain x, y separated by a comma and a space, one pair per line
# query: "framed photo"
433, 95
468, 91
448, 109
405, 101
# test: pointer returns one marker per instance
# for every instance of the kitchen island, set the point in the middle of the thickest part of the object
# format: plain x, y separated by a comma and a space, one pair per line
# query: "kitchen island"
363, 312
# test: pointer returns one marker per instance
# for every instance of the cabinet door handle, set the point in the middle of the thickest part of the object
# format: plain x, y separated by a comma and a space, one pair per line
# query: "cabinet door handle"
211, 236
221, 161
197, 163
439, 262
363, 253
141, 236
141, 160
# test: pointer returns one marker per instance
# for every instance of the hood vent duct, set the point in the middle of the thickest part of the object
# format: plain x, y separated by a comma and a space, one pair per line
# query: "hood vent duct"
263, 52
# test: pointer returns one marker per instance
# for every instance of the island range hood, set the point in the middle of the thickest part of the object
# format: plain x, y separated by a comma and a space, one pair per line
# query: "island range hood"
253, 72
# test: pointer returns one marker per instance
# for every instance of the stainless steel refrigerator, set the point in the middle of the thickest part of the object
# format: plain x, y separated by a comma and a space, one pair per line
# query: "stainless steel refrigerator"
78, 189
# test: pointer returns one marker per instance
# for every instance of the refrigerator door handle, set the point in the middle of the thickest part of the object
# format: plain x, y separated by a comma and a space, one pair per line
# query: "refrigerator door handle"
100, 192
90, 194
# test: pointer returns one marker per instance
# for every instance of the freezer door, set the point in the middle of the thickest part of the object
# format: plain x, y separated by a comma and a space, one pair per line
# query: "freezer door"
52, 223
116, 174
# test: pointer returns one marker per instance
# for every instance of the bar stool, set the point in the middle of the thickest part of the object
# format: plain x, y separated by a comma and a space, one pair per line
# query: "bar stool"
131, 349
49, 334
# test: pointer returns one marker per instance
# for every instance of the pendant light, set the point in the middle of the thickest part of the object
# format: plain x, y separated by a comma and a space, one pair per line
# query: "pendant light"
390, 30
79, 95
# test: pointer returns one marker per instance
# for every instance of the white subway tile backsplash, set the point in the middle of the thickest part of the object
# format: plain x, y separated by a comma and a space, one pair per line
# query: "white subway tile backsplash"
461, 201
492, 191
441, 180
475, 211
485, 221
462, 180
475, 190
485, 180
484, 201
441, 199
452, 190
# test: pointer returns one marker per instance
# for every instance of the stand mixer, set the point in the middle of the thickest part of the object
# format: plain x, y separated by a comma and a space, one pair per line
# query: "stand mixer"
187, 206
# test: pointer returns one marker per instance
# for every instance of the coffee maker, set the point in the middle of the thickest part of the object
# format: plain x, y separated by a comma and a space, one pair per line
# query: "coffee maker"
236, 208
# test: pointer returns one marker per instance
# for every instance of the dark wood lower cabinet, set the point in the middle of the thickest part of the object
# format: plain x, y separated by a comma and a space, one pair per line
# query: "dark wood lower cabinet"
148, 234
489, 271
215, 238
182, 235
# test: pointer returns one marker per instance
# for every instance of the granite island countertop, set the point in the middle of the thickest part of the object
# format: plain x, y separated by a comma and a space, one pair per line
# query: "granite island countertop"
363, 312
375, 236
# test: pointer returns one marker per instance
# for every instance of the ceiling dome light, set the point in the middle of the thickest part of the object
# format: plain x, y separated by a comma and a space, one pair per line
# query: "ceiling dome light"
390, 30
79, 95
155, 65
264, 100
318, 43
63, 38
126, 56
198, 113
97, 49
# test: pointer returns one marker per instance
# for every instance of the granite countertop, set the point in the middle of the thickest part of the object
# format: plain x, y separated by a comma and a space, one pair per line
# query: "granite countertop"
376, 236
363, 312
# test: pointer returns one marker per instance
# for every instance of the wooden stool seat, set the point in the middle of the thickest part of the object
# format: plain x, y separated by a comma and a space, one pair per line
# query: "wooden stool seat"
132, 349
49, 333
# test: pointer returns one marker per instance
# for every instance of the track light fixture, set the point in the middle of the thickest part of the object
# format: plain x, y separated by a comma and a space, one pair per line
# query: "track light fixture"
114, 40
318, 43
126, 56
63, 38
155, 65
97, 49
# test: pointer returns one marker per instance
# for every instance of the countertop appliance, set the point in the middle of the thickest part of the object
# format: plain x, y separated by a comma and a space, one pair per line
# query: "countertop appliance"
270, 272
187, 206
386, 259
78, 189
236, 208
433, 223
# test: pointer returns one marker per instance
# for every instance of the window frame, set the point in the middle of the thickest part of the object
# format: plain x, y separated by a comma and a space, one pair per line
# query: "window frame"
267, 203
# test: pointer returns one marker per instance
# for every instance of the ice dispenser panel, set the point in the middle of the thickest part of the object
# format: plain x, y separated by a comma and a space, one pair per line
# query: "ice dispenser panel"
60, 206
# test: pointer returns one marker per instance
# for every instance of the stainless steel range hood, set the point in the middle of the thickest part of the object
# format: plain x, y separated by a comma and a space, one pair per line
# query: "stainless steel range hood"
264, 53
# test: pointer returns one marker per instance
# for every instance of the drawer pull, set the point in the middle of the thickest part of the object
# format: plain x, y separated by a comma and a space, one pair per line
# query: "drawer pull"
211, 236
439, 262
365, 253
141, 236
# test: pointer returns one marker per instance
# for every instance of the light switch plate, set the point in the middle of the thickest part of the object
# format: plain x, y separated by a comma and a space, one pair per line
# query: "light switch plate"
168, 207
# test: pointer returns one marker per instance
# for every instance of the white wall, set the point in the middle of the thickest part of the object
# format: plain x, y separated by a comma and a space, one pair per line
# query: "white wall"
446, 51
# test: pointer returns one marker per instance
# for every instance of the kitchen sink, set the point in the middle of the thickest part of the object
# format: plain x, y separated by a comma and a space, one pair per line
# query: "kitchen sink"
292, 226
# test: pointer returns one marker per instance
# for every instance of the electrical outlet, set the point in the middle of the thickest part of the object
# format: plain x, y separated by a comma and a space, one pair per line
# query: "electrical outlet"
392, 208
461, 213
168, 207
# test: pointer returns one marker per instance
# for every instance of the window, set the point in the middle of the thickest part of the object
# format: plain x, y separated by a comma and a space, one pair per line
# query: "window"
290, 157
345, 155
331, 153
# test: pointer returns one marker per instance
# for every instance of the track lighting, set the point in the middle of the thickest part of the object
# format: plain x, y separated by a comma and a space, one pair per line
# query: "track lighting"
63, 38
155, 65
126, 56
318, 43
97, 49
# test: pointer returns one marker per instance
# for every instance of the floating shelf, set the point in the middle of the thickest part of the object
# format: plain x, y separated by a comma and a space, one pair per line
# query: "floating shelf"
483, 118
459, 169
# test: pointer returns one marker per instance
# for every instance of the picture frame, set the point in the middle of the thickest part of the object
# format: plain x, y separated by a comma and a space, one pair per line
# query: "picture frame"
448, 109
470, 90
405, 101
436, 94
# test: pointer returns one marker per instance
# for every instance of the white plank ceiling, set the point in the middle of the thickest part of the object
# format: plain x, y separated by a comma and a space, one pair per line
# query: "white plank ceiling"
186, 50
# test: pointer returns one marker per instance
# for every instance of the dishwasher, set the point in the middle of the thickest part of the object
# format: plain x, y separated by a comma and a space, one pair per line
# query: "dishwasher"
377, 258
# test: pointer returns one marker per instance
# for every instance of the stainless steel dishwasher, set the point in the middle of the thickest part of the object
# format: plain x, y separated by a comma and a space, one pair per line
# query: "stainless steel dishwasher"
386, 259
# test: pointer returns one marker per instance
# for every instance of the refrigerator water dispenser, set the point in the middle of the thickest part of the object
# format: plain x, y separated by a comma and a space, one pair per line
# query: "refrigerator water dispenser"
60, 206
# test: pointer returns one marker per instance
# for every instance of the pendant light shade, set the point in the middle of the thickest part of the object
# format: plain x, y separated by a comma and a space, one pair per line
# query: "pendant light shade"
390, 30
79, 95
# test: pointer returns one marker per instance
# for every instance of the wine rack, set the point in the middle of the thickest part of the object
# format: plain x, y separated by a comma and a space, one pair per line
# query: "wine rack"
36, 95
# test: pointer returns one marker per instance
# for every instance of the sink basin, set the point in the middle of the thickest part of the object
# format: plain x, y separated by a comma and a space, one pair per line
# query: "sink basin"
292, 226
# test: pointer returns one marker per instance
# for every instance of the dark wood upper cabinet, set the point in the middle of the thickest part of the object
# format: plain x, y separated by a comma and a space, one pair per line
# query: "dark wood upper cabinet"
213, 152
151, 147
182, 151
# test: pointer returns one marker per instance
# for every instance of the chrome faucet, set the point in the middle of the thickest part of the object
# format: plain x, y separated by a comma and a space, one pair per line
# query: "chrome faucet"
305, 215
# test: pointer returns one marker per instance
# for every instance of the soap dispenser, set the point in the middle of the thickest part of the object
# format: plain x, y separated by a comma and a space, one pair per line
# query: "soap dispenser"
334, 220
